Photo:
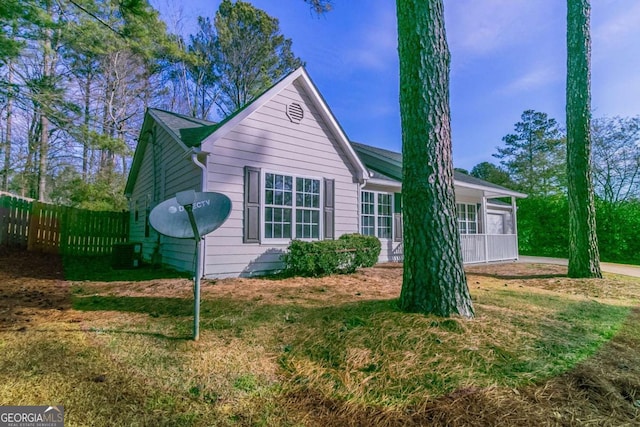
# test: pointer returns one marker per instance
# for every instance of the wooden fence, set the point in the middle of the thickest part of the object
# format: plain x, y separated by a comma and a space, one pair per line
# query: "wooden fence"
59, 229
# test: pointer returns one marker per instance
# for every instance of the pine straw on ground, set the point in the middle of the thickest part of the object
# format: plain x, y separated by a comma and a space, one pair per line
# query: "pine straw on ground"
604, 390
119, 366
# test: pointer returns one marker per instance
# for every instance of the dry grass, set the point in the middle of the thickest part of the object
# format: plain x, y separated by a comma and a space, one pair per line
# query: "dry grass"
332, 351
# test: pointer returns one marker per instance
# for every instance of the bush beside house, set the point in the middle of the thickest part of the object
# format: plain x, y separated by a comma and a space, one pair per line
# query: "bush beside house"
321, 258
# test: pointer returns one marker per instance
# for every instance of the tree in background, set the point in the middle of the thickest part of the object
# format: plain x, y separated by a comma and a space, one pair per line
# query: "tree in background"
250, 56
320, 6
616, 158
232, 60
434, 280
492, 173
534, 155
584, 258
77, 75
202, 87
13, 14
77, 86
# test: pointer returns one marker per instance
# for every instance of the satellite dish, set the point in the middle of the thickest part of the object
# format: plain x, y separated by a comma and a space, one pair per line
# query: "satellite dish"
210, 210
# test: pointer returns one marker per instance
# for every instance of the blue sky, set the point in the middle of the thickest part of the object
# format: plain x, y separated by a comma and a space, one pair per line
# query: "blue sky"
506, 56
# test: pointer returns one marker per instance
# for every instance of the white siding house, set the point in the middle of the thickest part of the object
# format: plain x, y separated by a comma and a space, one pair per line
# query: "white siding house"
290, 172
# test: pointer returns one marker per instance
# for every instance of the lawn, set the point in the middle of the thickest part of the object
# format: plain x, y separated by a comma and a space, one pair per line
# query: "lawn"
114, 348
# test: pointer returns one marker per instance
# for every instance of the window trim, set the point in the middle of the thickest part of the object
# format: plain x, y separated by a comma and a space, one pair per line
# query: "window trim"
376, 214
466, 219
263, 206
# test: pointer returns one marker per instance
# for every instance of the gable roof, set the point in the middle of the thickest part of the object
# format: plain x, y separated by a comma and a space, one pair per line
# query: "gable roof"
185, 128
299, 75
389, 163
369, 162
179, 126
198, 134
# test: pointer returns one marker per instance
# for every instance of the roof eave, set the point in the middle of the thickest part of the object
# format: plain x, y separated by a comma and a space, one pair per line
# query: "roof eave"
169, 131
384, 183
325, 111
490, 191
137, 159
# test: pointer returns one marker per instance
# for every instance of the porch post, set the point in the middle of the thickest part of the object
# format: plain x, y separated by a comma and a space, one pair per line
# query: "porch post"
514, 219
484, 227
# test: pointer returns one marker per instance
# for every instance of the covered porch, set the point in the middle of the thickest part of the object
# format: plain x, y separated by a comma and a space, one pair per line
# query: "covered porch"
488, 229
478, 248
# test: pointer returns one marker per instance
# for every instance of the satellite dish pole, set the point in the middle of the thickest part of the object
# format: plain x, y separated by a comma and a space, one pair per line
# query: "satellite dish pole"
205, 212
187, 199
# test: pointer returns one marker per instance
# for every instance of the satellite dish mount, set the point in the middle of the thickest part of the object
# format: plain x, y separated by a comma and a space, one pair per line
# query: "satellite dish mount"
191, 215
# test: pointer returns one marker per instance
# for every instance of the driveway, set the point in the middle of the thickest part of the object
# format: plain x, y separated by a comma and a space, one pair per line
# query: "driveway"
609, 267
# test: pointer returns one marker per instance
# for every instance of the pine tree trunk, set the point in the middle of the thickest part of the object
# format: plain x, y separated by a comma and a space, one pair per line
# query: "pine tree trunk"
584, 258
44, 152
7, 144
29, 174
44, 120
44, 126
87, 123
434, 280
106, 122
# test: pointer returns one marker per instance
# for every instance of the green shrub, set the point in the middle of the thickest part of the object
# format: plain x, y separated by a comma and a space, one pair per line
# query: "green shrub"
543, 228
324, 257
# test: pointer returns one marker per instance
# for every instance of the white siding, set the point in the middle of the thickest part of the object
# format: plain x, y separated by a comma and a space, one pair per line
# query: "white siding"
267, 139
157, 181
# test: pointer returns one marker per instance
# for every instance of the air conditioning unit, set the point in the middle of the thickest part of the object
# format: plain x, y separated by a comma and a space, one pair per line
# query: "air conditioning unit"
126, 255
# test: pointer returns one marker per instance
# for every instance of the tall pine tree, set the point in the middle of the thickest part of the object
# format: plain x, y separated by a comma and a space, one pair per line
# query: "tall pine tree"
434, 280
584, 258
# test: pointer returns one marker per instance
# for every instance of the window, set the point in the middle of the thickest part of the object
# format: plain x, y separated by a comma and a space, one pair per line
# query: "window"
368, 227
307, 208
467, 218
376, 214
385, 216
291, 207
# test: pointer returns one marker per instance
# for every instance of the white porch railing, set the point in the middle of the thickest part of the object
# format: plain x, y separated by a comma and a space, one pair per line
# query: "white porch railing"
475, 248
488, 247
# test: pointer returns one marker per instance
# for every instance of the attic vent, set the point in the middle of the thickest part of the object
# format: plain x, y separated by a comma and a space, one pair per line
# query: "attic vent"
295, 112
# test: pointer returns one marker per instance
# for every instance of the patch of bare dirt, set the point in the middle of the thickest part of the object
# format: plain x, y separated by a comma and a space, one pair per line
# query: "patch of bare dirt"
31, 286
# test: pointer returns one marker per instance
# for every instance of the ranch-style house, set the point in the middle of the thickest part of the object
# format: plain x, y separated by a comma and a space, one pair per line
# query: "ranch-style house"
291, 173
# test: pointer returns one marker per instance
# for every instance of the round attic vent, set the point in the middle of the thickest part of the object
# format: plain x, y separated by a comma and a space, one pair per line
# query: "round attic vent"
295, 112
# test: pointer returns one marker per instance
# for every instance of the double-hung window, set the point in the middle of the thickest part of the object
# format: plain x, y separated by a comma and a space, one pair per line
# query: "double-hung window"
307, 208
467, 218
376, 214
291, 207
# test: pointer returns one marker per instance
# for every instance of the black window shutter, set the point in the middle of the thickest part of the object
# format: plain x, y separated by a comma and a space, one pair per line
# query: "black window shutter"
251, 205
397, 217
329, 208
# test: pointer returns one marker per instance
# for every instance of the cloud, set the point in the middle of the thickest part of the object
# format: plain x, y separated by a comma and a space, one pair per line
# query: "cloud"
617, 94
376, 40
482, 27
619, 26
531, 80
